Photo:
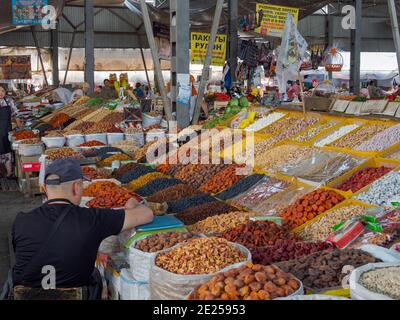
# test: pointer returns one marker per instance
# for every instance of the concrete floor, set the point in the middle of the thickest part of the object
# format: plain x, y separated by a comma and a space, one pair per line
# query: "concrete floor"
10, 204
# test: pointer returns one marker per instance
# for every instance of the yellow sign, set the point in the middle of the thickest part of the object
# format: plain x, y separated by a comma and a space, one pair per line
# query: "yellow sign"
199, 45
274, 18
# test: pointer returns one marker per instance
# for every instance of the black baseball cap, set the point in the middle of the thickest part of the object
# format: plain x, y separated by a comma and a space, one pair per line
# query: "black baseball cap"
66, 169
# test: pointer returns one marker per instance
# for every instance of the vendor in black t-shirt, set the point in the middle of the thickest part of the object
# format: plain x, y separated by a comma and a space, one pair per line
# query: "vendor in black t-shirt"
73, 247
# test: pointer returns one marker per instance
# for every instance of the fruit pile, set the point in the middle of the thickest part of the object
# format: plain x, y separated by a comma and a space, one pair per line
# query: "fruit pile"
258, 234
363, 177
310, 206
249, 282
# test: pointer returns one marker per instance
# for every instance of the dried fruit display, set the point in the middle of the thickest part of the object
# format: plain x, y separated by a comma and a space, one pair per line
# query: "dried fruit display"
203, 211
145, 179
156, 186
310, 206
382, 140
112, 198
225, 178
135, 173
162, 241
58, 120
30, 141
240, 187
363, 177
24, 134
200, 256
95, 173
95, 188
116, 157
258, 234
278, 126
54, 134
93, 143
221, 223
385, 281
55, 154
248, 282
198, 174
173, 193
360, 135
180, 205
286, 250
323, 270
314, 131
296, 127
322, 228
124, 169
271, 160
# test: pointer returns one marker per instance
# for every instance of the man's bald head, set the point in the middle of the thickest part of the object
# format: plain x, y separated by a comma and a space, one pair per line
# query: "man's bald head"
71, 190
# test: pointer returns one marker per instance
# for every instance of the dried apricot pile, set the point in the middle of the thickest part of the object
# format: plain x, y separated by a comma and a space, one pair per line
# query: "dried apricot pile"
309, 206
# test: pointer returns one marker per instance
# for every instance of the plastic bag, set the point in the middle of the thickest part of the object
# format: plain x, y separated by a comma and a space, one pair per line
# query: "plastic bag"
131, 289
140, 262
280, 201
293, 51
263, 190
165, 285
358, 291
381, 253
184, 94
321, 167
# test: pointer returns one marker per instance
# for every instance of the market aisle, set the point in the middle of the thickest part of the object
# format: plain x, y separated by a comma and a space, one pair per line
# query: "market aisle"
10, 204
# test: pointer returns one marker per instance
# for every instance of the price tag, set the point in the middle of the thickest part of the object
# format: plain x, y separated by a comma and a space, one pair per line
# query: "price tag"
30, 166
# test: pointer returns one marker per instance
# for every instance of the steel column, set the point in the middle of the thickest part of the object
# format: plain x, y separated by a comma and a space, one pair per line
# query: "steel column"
39, 54
71, 48
207, 62
55, 59
355, 60
395, 29
180, 35
145, 68
233, 36
89, 44
156, 60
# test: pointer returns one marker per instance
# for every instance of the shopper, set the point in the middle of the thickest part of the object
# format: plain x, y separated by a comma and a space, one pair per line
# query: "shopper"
66, 236
108, 91
79, 92
374, 91
8, 111
139, 91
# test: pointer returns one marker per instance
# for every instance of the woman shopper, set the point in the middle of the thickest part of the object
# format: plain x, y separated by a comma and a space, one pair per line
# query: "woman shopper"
8, 111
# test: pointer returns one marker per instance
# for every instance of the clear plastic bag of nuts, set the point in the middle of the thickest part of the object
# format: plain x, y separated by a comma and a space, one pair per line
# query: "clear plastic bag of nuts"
166, 285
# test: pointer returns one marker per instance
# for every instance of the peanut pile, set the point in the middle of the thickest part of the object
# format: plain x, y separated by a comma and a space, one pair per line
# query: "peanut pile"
221, 223
200, 256
321, 229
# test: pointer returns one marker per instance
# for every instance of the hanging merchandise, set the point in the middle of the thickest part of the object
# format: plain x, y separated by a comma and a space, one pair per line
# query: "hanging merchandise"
249, 53
333, 60
227, 76
293, 51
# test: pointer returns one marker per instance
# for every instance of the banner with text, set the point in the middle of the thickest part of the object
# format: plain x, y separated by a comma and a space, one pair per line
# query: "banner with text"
274, 18
199, 45
28, 11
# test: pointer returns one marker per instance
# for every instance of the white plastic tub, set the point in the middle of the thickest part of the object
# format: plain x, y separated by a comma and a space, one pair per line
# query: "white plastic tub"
102, 137
150, 120
115, 137
75, 140
155, 135
137, 137
29, 150
54, 142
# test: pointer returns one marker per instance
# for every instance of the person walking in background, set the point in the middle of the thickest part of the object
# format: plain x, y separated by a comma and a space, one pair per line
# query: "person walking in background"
139, 91
8, 111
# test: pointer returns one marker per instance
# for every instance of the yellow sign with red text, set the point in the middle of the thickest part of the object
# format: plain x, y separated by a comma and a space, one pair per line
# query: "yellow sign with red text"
274, 18
199, 44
